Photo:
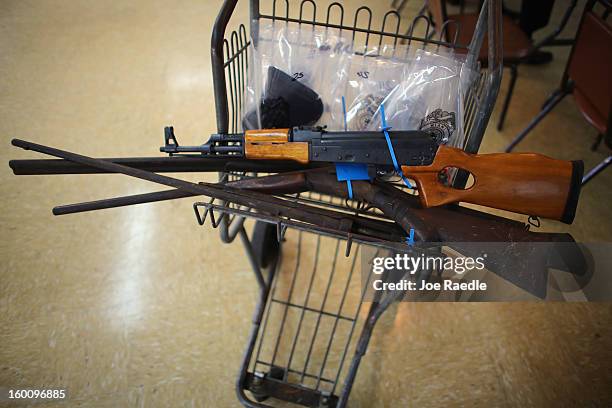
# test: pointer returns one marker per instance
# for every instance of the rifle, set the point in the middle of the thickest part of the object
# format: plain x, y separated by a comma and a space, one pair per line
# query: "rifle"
520, 261
525, 183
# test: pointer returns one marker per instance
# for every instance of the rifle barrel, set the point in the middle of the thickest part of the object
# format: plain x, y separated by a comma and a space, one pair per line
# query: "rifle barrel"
174, 164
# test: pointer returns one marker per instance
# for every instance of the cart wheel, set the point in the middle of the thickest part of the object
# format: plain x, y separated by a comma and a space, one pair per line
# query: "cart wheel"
265, 244
275, 372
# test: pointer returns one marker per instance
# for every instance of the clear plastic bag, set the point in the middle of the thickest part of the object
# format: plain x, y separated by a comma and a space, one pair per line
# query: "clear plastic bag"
361, 84
429, 97
289, 74
301, 74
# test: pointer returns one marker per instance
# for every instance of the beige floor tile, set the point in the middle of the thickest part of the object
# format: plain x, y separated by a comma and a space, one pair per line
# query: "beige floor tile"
82, 351
141, 307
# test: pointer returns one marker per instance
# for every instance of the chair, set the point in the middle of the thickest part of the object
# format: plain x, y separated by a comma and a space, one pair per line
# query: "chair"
517, 46
588, 77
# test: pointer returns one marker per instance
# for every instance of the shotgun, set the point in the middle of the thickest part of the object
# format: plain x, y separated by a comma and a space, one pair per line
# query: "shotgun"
526, 183
515, 253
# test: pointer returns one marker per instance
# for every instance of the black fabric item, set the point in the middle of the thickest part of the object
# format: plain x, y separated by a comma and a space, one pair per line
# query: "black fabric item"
275, 113
286, 103
305, 106
535, 14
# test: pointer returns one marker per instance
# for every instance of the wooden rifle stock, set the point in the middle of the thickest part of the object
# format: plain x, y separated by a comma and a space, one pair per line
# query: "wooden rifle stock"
525, 183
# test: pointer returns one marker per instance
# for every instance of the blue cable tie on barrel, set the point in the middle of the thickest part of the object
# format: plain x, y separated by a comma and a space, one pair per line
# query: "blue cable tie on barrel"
385, 130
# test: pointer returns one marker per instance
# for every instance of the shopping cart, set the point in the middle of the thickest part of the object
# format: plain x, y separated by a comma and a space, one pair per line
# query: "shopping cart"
313, 322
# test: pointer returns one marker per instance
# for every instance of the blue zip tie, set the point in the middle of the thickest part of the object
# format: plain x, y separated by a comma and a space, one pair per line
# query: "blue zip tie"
344, 113
348, 181
385, 130
350, 189
410, 238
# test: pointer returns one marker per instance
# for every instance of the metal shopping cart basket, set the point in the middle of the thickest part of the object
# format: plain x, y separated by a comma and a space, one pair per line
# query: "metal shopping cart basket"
312, 323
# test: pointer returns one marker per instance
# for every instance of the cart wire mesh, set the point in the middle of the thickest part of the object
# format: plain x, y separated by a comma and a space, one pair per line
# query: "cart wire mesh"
230, 58
312, 323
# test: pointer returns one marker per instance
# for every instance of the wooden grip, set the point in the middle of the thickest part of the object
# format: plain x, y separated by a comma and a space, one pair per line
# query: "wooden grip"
273, 144
525, 183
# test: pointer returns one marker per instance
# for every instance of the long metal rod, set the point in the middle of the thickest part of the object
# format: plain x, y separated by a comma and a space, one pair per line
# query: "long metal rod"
362, 225
508, 98
218, 72
121, 201
596, 170
372, 227
550, 105
261, 201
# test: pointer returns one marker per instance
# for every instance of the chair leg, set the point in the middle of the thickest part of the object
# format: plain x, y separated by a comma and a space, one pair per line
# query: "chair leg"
513, 75
596, 170
545, 111
597, 142
552, 96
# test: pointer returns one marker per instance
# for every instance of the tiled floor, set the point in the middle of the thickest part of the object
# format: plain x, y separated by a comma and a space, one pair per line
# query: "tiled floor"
140, 307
